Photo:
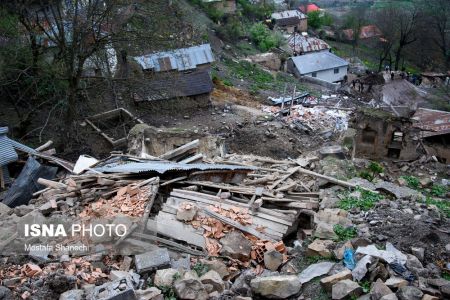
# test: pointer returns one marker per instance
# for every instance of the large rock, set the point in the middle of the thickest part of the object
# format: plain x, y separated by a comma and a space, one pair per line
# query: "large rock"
276, 287
241, 285
429, 297
4, 209
345, 289
214, 279
332, 216
71, 295
328, 282
413, 262
378, 290
216, 265
396, 283
319, 248
273, 259
445, 290
5, 293
190, 289
151, 293
165, 277
325, 231
235, 245
418, 252
315, 270
186, 213
152, 260
409, 293
400, 192
339, 253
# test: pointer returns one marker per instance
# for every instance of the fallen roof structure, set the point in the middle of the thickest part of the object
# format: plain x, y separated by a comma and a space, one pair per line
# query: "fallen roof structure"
432, 122
301, 44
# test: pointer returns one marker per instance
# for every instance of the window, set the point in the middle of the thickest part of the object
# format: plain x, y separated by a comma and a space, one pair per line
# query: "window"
314, 74
336, 70
397, 136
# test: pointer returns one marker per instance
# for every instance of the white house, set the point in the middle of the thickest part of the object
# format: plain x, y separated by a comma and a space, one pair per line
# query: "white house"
322, 65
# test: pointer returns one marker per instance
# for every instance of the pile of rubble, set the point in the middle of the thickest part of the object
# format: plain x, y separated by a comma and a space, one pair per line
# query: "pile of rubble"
235, 226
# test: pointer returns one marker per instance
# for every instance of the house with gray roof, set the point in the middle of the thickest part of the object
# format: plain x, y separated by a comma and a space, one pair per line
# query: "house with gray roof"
323, 66
177, 73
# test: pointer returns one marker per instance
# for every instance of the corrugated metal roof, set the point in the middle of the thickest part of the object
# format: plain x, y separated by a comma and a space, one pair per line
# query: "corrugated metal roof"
317, 61
288, 14
8, 148
305, 44
162, 167
432, 122
179, 59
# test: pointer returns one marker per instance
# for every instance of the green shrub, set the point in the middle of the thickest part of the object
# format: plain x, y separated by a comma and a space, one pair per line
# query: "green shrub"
200, 269
376, 168
411, 181
438, 190
345, 233
316, 19
264, 38
256, 11
365, 202
442, 205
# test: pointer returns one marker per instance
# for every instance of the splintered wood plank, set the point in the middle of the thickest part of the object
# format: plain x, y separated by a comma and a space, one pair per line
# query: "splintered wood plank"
210, 199
181, 150
166, 224
272, 228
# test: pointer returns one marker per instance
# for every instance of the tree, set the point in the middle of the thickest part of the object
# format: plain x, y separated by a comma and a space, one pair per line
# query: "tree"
405, 24
438, 13
384, 20
354, 21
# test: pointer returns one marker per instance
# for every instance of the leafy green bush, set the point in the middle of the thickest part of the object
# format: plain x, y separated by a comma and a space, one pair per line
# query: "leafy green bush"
263, 37
376, 168
316, 19
200, 269
371, 171
365, 202
411, 181
232, 30
442, 205
438, 190
345, 233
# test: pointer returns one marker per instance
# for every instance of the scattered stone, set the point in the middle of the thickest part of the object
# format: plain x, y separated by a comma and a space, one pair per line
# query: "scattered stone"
151, 260
114, 275
186, 214
118, 289
319, 248
4, 209
126, 263
437, 282
241, 285
5, 293
276, 287
396, 283
39, 255
418, 252
425, 182
389, 297
328, 282
360, 269
273, 259
447, 249
152, 293
445, 290
235, 245
413, 262
164, 277
214, 279
315, 270
379, 290
399, 192
190, 289
345, 289
339, 253
409, 293
325, 231
429, 297
71, 295
216, 265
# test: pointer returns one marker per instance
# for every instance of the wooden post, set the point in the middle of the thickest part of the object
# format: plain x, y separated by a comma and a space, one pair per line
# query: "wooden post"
292, 100
283, 97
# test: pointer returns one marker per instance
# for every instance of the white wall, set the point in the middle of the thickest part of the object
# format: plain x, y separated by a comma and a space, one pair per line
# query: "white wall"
328, 75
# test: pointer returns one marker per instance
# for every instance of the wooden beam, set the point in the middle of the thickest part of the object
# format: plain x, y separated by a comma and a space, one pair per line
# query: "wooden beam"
180, 150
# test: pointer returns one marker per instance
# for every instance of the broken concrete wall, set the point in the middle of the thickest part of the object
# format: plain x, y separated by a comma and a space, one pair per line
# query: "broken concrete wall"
157, 141
269, 60
382, 135
438, 146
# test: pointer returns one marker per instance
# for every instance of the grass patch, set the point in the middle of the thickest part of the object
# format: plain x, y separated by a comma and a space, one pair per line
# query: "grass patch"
411, 181
200, 269
446, 276
442, 205
365, 286
168, 292
365, 202
345, 233
439, 190
372, 171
